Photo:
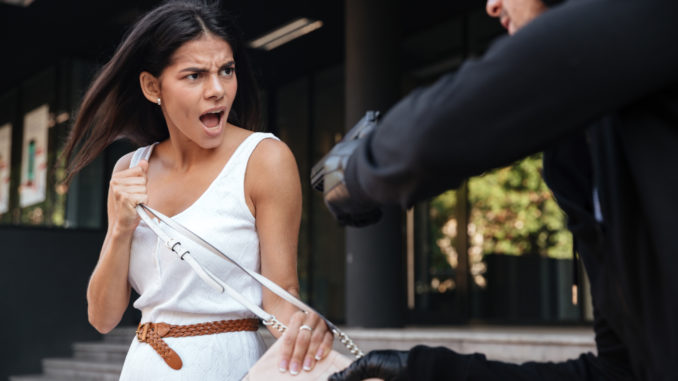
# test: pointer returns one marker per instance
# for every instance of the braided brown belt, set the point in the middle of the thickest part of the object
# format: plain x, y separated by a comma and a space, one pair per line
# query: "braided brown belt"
152, 333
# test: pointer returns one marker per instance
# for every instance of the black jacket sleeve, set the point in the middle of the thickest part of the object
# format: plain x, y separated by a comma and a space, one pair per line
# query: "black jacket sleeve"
610, 364
443, 364
570, 66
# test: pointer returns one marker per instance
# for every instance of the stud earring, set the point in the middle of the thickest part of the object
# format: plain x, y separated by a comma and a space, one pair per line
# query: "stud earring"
159, 102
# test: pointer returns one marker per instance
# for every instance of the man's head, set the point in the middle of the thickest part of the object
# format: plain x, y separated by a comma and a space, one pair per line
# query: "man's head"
515, 14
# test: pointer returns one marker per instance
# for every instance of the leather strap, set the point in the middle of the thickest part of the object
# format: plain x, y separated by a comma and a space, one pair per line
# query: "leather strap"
152, 334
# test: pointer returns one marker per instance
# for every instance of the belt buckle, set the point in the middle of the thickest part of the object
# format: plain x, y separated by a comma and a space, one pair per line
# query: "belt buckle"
142, 330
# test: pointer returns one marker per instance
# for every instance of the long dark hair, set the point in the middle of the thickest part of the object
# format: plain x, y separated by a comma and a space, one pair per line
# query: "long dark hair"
115, 107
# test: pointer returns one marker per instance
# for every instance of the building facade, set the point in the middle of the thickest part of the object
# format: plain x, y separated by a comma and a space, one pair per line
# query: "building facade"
448, 261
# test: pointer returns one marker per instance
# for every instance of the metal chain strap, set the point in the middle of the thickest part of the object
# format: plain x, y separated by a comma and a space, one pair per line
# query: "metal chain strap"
275, 323
348, 343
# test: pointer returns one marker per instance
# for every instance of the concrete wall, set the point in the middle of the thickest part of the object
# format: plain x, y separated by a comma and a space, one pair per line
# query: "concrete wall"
43, 279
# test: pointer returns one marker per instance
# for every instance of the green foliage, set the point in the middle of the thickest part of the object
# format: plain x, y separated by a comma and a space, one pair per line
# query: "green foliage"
513, 212
442, 214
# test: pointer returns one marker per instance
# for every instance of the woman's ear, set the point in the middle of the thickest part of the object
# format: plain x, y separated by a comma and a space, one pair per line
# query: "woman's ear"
150, 86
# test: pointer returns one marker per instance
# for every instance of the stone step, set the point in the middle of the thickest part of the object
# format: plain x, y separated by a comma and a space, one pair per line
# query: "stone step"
82, 370
102, 361
100, 351
37, 377
512, 344
120, 335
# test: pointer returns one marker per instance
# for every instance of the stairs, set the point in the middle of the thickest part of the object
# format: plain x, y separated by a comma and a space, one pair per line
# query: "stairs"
92, 361
102, 361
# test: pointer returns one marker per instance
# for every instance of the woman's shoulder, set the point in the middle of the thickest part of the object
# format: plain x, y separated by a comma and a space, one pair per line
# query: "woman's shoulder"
265, 147
272, 176
272, 164
240, 134
271, 152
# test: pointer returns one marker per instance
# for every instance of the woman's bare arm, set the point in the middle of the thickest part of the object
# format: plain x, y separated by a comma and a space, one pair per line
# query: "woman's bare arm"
274, 194
108, 292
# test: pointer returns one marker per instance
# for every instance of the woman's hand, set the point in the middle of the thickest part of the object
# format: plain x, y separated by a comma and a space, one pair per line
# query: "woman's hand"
306, 341
127, 189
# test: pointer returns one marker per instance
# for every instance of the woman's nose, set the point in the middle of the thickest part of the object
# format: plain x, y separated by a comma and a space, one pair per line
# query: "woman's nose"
493, 8
215, 89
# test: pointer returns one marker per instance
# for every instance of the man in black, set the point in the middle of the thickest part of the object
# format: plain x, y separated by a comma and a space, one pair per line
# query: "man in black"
593, 84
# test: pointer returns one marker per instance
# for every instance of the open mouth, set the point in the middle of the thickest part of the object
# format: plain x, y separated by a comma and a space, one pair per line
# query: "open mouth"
212, 119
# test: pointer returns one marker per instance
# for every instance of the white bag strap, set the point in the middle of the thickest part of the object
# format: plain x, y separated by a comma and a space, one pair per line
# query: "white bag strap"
182, 253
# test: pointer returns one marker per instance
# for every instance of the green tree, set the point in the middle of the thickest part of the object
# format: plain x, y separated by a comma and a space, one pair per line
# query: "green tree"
512, 212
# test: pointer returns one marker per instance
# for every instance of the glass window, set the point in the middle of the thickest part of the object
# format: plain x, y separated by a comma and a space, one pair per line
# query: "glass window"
309, 117
34, 120
498, 250
520, 251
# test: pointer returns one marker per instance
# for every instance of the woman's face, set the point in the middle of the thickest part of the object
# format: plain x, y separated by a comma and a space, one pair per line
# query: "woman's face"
197, 90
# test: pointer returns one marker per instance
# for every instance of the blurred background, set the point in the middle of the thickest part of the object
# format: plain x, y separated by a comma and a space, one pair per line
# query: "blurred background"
493, 253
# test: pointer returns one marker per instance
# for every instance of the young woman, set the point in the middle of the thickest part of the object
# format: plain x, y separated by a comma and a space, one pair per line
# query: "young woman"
180, 86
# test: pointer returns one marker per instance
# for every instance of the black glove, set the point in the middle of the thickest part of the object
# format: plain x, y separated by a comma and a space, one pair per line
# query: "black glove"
328, 176
386, 365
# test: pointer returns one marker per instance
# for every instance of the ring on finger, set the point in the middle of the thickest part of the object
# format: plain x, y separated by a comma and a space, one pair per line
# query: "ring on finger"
306, 328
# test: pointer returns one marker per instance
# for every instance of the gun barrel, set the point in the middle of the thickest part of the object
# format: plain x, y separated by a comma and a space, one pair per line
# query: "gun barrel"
361, 129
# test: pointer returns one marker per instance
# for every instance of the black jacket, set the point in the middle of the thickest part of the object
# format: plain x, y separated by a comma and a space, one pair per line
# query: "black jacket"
594, 84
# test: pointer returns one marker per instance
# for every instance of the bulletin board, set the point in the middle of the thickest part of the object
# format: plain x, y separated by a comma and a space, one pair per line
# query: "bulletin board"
5, 165
33, 187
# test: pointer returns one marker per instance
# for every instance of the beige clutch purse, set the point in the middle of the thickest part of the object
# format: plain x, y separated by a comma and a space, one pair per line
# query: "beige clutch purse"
266, 368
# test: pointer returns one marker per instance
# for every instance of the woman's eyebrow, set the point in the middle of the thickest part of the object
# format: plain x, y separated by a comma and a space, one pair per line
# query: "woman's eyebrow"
194, 69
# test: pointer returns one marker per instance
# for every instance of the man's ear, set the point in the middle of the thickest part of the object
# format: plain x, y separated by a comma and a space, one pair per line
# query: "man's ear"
150, 86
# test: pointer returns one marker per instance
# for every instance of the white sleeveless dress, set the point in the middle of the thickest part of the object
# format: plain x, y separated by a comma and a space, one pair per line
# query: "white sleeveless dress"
171, 292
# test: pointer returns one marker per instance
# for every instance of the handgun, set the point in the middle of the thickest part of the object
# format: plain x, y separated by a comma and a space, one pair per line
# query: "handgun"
359, 131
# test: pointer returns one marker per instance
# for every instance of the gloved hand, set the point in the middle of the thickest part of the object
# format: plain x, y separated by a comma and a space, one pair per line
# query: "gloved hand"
386, 365
346, 210
328, 176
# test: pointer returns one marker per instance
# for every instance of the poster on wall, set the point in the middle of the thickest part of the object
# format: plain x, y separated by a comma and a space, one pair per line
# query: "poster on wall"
33, 188
5, 165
